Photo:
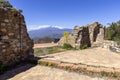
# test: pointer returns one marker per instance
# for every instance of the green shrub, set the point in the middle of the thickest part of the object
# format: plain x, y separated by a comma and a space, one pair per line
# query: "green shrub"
2, 67
112, 32
84, 46
67, 46
103, 73
12, 9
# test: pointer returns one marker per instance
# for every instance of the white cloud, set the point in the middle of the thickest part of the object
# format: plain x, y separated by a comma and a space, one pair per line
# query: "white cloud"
35, 27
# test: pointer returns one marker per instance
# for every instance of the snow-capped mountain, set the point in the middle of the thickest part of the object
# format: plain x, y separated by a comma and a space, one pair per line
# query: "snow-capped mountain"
34, 27
47, 31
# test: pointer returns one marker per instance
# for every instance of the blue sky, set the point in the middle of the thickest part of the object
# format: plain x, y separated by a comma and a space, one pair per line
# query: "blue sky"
68, 13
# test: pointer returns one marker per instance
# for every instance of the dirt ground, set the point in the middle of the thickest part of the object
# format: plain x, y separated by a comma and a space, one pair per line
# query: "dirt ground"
45, 45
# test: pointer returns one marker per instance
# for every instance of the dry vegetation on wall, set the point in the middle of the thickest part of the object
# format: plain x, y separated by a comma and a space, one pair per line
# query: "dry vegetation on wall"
5, 3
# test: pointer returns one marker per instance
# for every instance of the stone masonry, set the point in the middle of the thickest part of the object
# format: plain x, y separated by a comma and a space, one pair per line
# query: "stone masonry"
15, 43
89, 35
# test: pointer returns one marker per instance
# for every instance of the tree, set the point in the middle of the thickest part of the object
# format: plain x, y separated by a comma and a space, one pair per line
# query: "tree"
113, 32
66, 35
109, 33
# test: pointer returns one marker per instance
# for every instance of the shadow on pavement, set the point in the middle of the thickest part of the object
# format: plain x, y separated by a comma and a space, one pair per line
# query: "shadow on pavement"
22, 67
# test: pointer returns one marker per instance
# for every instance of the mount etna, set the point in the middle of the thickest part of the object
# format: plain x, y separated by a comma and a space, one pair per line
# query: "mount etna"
50, 31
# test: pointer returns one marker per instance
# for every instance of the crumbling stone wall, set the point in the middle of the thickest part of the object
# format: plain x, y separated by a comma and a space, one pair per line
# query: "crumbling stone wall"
5, 3
88, 35
15, 43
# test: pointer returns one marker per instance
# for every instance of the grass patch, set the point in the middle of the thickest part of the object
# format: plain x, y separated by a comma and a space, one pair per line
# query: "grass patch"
2, 67
103, 73
84, 47
47, 50
67, 46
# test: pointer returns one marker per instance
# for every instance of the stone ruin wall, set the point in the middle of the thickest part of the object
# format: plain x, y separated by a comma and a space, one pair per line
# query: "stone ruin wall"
90, 35
15, 43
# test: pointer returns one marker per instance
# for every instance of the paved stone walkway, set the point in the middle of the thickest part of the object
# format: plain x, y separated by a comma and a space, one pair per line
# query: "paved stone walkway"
95, 56
47, 73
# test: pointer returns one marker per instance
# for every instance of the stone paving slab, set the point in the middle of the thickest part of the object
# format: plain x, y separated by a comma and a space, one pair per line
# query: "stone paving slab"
94, 56
47, 73
82, 68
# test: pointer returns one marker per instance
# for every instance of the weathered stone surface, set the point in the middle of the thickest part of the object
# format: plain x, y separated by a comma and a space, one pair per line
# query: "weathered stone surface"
5, 3
15, 43
85, 35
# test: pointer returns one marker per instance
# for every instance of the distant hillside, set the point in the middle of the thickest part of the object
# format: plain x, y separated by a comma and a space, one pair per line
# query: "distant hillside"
51, 31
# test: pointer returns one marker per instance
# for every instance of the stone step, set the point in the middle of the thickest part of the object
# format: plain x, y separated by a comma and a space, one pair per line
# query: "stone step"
82, 68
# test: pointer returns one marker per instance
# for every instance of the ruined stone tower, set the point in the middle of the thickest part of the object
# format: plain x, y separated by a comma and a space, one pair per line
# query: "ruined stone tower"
89, 35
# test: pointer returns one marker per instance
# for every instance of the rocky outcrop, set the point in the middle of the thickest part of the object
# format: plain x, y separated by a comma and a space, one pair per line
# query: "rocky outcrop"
88, 35
15, 43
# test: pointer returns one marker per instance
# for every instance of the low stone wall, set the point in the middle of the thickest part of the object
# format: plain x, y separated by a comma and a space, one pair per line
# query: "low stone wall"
15, 43
111, 45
